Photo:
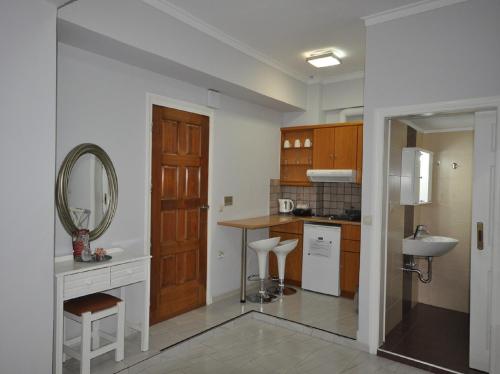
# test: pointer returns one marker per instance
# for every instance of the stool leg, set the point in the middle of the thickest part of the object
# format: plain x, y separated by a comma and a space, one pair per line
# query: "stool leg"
96, 338
120, 332
85, 346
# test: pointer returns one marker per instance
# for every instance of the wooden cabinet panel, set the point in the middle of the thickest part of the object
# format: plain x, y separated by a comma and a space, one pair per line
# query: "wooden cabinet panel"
351, 232
359, 156
292, 228
349, 259
323, 148
293, 266
345, 147
349, 273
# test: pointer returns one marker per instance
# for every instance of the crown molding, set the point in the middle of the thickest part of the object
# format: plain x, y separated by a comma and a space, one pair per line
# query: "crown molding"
200, 25
343, 77
407, 10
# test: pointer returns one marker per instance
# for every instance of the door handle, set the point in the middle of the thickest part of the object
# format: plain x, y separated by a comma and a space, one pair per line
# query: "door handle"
480, 236
205, 207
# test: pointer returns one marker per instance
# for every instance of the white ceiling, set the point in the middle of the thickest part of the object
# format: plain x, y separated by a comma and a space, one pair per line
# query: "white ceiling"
442, 122
283, 30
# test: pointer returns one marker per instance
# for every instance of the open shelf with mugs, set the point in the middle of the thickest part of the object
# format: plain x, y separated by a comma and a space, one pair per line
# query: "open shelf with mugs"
296, 155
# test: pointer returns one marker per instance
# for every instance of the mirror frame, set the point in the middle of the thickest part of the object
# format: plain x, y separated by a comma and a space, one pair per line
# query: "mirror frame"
62, 188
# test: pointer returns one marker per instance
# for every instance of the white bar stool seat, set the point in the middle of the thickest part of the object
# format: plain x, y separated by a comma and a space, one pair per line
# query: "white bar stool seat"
281, 251
262, 248
88, 310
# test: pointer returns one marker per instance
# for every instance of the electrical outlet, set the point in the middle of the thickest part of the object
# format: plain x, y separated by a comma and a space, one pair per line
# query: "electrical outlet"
220, 255
228, 200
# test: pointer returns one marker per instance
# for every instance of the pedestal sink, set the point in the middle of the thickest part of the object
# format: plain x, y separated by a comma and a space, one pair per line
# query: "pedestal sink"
428, 245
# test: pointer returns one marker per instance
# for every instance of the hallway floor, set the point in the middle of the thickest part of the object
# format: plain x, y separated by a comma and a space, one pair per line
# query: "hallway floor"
335, 314
435, 335
252, 346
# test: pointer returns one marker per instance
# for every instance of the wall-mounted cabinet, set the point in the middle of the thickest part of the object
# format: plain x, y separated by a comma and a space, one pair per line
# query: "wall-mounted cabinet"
416, 176
335, 146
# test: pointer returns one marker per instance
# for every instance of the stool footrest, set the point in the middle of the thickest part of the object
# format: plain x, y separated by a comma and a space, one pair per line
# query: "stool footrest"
253, 277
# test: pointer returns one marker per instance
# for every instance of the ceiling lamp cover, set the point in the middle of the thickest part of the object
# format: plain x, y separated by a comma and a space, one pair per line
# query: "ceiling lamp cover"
324, 60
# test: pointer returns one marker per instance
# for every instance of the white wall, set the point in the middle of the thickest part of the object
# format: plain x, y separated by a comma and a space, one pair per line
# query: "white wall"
446, 54
325, 101
27, 153
104, 101
134, 23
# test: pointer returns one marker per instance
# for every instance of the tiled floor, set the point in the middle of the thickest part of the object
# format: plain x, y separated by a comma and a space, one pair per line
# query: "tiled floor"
248, 345
435, 335
328, 313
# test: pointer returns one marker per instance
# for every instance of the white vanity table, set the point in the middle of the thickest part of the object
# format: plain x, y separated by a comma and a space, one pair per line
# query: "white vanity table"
74, 279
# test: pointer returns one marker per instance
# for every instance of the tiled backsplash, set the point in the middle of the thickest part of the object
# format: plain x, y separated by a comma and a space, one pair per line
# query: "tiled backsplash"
322, 198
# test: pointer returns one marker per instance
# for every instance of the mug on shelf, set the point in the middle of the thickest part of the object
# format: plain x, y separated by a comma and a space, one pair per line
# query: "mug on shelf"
297, 143
307, 143
286, 144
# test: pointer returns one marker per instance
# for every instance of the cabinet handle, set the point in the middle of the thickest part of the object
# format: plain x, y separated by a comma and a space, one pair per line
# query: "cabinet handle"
480, 236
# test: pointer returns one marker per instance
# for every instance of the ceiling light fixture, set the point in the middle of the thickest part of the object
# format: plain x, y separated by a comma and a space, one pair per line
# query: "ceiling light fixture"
323, 60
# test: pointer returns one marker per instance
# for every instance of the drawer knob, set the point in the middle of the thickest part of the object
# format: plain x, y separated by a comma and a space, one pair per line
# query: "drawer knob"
129, 271
88, 281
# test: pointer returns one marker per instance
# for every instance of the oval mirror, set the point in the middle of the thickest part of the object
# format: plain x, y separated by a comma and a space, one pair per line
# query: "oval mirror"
87, 190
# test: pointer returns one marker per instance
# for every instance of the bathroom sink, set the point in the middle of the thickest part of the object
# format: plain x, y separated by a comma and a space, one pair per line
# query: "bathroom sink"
428, 246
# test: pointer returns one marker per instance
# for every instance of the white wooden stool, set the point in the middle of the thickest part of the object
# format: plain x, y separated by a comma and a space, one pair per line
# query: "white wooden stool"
88, 310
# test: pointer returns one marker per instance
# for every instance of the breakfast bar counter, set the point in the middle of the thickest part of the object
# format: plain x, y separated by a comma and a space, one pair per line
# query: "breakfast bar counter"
262, 222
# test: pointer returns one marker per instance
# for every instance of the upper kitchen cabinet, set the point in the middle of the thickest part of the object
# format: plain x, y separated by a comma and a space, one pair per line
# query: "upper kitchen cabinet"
339, 147
335, 146
296, 155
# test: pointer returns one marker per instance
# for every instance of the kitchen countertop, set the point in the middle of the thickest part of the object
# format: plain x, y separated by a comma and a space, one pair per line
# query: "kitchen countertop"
276, 220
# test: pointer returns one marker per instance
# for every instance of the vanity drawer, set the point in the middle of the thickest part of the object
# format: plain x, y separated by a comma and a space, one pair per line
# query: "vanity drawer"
127, 273
86, 283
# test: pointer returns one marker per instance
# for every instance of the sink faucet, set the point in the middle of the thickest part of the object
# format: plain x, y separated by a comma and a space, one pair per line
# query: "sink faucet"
420, 229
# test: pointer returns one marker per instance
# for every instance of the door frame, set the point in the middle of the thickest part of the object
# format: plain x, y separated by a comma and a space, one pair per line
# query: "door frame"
154, 99
373, 238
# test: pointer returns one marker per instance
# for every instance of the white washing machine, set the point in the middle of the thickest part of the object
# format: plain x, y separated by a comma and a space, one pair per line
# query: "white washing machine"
321, 258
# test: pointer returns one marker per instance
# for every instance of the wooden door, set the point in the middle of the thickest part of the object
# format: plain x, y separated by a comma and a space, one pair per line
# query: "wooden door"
178, 212
323, 151
345, 147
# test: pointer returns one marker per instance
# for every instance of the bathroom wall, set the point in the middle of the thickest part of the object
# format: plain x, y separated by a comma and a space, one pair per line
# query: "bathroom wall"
449, 215
322, 198
395, 229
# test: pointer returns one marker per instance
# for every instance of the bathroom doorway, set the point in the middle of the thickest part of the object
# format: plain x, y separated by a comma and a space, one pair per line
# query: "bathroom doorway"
440, 184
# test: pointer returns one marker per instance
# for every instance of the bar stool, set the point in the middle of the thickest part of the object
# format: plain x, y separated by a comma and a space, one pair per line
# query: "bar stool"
281, 251
262, 248
88, 310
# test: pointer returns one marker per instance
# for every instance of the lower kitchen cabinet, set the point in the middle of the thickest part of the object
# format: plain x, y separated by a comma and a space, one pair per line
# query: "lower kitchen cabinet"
349, 259
293, 266
349, 256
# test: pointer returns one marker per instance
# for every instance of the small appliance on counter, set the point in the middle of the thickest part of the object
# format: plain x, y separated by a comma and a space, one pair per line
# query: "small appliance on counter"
302, 210
285, 206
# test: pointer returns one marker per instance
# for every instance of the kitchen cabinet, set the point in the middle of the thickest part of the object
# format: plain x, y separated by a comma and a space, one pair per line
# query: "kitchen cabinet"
349, 259
296, 157
332, 146
293, 266
335, 147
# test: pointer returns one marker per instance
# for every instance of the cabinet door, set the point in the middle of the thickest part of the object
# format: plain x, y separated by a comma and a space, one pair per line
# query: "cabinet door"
359, 155
293, 266
349, 274
345, 147
323, 148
